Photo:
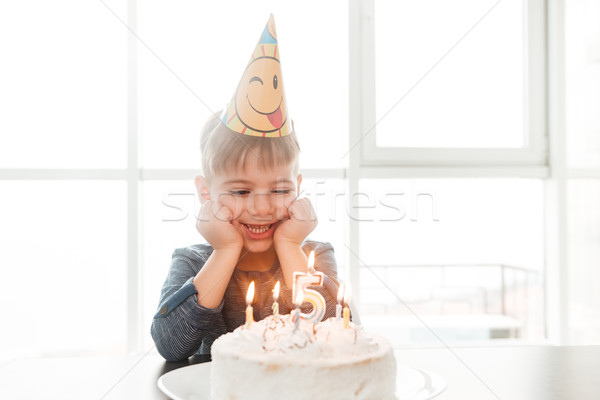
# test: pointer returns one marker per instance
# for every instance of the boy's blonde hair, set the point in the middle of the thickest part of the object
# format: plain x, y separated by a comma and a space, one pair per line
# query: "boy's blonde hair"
225, 151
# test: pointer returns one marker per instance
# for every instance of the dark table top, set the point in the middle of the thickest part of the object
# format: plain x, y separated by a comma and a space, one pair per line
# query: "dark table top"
506, 373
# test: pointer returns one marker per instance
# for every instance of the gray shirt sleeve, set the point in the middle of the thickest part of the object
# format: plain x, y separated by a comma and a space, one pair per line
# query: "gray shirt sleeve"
182, 327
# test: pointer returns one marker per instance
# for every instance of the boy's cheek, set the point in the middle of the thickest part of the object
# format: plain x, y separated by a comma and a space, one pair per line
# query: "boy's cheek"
288, 200
226, 199
237, 213
233, 203
282, 213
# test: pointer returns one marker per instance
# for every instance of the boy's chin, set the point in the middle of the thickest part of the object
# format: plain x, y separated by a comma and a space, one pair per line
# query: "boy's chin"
258, 246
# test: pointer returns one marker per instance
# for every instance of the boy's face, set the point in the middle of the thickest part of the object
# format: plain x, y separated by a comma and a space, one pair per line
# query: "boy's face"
258, 198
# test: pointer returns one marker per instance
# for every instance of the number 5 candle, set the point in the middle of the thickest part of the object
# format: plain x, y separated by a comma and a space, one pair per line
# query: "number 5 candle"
311, 278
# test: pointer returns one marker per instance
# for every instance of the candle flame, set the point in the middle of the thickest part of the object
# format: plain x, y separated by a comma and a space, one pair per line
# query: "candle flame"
347, 294
311, 263
299, 298
250, 294
340, 295
276, 291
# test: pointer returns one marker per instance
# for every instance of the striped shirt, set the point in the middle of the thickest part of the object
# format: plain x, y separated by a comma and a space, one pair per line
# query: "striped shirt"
181, 327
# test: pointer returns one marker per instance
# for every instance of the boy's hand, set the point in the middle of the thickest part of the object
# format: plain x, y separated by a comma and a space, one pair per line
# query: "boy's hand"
301, 222
214, 224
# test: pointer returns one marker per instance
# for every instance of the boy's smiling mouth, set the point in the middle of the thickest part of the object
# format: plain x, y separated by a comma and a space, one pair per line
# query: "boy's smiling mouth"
257, 232
258, 228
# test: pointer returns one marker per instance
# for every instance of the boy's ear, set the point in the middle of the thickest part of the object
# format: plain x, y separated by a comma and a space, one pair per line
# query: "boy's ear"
202, 188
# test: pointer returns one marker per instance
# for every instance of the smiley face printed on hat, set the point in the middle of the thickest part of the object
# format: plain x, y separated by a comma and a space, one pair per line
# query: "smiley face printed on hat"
260, 99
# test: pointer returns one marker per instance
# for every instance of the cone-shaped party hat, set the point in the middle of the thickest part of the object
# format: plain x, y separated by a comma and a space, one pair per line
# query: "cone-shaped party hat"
258, 106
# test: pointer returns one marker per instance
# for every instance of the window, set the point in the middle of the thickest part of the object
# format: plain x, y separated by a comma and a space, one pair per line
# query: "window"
63, 267
460, 85
465, 255
582, 170
64, 94
469, 91
449, 118
63, 146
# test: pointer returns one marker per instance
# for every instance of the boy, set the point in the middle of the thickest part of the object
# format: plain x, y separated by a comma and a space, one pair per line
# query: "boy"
254, 224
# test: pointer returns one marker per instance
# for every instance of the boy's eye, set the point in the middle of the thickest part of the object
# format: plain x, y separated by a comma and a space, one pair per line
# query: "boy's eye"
281, 191
239, 192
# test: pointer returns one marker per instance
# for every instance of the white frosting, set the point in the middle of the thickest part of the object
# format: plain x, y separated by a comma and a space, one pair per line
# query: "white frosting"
317, 361
277, 336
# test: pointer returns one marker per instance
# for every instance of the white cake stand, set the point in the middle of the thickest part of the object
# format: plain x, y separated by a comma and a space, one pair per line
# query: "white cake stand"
193, 383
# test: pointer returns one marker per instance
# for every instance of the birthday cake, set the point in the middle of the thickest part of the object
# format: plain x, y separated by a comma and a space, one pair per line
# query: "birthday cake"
271, 359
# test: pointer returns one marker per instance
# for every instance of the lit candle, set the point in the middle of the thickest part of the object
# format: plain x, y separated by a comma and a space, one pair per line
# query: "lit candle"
298, 300
302, 281
347, 298
338, 307
275, 303
249, 298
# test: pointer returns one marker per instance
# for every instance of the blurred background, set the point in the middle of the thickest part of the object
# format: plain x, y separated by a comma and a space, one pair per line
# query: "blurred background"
451, 150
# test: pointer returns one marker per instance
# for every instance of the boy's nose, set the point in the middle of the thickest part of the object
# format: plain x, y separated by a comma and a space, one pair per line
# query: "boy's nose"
260, 204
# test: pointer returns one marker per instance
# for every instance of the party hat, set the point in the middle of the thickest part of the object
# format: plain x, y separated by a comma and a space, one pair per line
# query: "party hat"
258, 106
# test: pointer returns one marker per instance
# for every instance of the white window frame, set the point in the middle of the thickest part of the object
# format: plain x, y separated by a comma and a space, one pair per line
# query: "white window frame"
534, 153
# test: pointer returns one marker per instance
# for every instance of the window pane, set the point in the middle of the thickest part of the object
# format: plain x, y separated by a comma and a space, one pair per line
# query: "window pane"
471, 97
169, 210
328, 197
168, 223
584, 258
582, 64
452, 221
184, 36
63, 283
465, 253
63, 80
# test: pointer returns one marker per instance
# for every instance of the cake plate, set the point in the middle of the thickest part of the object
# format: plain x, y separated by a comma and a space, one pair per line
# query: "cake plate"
193, 383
